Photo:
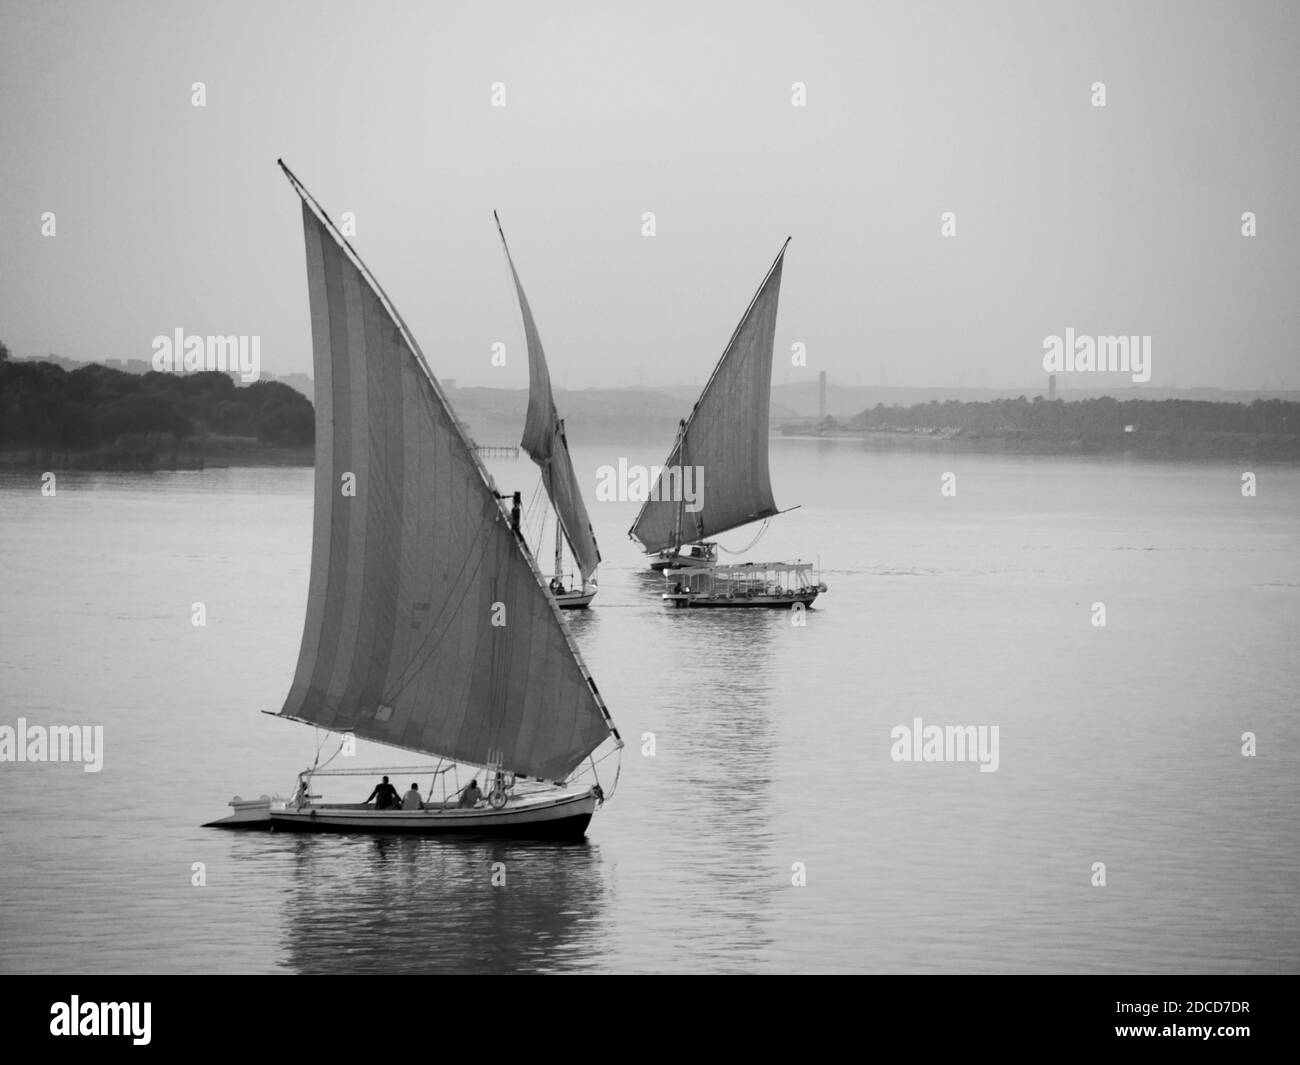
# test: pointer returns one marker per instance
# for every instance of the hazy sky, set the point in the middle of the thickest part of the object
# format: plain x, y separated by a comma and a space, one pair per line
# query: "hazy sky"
1117, 220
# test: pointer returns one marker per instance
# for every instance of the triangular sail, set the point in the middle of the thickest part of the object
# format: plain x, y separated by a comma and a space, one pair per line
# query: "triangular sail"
545, 442
428, 626
724, 440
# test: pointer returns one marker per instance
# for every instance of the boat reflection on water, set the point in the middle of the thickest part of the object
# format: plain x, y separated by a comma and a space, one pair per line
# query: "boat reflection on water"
723, 739
400, 904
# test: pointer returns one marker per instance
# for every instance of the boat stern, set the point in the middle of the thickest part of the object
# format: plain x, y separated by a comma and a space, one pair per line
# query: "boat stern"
249, 814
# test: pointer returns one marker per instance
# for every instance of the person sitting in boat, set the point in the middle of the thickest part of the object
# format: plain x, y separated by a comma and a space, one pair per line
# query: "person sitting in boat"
471, 795
385, 796
411, 800
557, 586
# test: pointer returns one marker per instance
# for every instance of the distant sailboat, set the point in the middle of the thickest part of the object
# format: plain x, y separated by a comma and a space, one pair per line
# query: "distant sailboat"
429, 627
720, 455
546, 444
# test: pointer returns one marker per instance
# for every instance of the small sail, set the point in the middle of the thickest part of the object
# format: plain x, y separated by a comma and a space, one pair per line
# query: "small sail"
721, 455
545, 442
428, 625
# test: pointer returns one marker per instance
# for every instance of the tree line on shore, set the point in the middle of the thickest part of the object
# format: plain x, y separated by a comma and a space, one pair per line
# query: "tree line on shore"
1100, 417
44, 406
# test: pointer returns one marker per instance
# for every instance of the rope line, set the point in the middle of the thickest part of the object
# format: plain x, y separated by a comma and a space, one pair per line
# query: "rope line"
757, 536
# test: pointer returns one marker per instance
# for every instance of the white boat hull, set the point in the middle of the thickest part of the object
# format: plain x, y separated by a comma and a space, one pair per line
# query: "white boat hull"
560, 815
574, 600
248, 813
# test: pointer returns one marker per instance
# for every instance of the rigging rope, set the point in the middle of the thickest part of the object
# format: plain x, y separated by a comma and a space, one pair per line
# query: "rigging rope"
757, 536
618, 772
343, 743
535, 516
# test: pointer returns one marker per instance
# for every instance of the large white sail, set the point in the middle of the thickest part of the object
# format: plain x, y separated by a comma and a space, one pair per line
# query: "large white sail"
545, 442
428, 625
725, 439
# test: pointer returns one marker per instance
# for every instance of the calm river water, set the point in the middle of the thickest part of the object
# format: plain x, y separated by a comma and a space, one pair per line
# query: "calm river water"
1119, 744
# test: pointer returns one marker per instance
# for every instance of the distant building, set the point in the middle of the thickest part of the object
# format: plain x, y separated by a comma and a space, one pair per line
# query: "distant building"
1051, 386
821, 395
449, 384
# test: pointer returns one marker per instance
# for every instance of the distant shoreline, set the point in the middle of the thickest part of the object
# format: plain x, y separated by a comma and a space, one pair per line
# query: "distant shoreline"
1172, 445
97, 418
189, 456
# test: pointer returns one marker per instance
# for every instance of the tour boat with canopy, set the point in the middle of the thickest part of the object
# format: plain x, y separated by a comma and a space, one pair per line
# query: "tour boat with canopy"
772, 584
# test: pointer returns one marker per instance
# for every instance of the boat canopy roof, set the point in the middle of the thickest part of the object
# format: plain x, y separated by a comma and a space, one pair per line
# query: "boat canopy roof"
741, 569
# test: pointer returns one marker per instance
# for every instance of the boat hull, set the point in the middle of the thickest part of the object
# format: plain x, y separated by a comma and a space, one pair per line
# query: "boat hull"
564, 817
667, 560
249, 815
574, 600
691, 600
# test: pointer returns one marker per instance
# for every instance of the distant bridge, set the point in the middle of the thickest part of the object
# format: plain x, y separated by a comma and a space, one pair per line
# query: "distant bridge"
498, 451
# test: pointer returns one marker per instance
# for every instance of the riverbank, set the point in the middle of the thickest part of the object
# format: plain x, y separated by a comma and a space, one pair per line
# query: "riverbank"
1176, 445
146, 457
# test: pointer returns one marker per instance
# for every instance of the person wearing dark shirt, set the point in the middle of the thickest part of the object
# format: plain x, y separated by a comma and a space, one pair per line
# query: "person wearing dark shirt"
471, 795
385, 796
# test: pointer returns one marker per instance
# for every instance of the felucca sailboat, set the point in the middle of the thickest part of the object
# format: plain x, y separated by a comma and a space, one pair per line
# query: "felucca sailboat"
545, 441
429, 627
721, 449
